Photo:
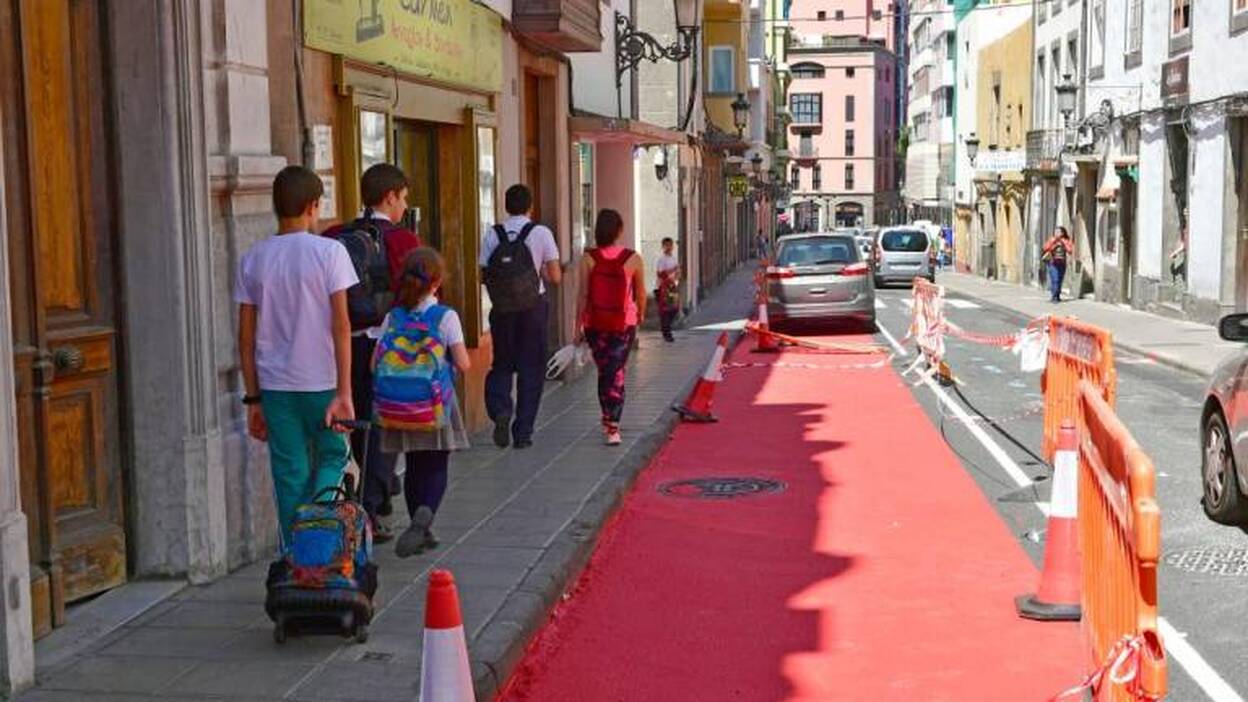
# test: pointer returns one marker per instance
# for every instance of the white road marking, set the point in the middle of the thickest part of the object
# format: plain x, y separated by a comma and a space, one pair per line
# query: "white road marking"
1196, 666
962, 304
879, 304
1176, 644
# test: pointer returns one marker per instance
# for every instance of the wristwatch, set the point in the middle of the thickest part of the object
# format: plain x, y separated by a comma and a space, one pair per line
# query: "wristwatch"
251, 399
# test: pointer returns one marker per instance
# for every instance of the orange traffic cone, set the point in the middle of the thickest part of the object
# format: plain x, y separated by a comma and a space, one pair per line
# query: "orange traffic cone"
765, 340
444, 672
1057, 598
697, 407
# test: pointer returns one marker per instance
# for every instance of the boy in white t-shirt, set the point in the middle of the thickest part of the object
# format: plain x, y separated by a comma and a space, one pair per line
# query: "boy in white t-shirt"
294, 340
665, 293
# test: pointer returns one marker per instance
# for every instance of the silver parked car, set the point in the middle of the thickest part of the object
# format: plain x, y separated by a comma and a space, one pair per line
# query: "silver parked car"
1224, 431
820, 277
903, 254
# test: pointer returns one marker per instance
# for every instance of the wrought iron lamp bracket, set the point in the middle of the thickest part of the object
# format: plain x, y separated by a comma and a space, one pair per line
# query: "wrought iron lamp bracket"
633, 46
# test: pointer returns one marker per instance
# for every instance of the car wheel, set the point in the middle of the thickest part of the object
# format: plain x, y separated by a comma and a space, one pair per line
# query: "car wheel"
1223, 501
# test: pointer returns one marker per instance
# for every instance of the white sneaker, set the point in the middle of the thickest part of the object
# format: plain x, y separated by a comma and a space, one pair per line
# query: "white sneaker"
613, 438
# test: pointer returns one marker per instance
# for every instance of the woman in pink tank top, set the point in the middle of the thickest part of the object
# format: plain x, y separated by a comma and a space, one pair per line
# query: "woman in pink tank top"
612, 302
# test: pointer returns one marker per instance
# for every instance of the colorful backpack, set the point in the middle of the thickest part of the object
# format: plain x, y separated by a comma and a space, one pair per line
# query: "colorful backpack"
413, 384
331, 546
608, 292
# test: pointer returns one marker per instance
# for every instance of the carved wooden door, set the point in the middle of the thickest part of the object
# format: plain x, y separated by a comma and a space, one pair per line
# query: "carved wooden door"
59, 187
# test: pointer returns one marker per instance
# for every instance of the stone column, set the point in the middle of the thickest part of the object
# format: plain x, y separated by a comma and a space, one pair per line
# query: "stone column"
241, 167
17, 650
177, 489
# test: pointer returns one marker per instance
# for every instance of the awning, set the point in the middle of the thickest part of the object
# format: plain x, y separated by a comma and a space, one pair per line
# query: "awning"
628, 131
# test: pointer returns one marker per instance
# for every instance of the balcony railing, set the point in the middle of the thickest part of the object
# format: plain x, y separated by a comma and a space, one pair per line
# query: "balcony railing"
566, 25
806, 153
1043, 148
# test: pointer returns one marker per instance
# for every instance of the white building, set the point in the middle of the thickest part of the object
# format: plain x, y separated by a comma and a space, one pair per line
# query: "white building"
931, 48
1162, 149
1059, 33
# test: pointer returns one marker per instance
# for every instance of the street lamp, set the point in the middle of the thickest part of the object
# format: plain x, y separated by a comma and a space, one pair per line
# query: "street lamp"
972, 147
740, 113
1067, 94
660, 163
633, 45
757, 162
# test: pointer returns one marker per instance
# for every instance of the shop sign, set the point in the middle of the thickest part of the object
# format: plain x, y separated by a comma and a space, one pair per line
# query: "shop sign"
1001, 161
452, 41
738, 186
1174, 78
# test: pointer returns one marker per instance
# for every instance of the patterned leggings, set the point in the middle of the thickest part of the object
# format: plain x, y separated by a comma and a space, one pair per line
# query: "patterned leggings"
611, 351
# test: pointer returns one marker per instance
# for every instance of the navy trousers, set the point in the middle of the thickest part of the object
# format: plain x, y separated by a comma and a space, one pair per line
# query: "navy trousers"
377, 467
1057, 271
519, 357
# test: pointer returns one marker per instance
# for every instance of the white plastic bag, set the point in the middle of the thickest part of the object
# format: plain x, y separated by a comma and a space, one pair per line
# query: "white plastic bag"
1033, 350
572, 354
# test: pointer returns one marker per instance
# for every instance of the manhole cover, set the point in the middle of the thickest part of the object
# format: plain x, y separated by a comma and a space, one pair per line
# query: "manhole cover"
720, 488
1218, 561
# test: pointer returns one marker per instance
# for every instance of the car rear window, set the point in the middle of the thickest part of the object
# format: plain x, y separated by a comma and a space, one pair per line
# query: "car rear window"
818, 251
910, 240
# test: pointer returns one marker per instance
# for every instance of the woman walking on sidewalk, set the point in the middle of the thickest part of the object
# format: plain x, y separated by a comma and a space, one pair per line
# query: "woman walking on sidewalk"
414, 370
1056, 251
612, 301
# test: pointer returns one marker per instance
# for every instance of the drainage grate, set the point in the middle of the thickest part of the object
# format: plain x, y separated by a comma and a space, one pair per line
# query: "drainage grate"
1216, 561
721, 488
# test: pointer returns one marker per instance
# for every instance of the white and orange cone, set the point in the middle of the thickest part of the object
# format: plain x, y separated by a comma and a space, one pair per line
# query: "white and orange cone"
1057, 598
444, 672
765, 340
697, 407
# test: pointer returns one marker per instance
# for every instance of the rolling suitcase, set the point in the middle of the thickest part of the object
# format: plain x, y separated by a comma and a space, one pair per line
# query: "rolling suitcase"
325, 580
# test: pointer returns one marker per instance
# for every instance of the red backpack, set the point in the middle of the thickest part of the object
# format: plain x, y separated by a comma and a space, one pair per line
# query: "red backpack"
608, 292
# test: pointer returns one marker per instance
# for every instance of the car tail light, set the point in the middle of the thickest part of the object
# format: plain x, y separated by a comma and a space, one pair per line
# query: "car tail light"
779, 272
855, 269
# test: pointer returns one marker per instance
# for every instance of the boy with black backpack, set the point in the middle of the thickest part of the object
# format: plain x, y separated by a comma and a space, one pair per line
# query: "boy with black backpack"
378, 246
518, 258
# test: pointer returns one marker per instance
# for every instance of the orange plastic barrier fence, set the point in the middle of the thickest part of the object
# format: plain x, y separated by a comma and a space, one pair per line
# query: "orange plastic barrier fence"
927, 322
1120, 542
1077, 352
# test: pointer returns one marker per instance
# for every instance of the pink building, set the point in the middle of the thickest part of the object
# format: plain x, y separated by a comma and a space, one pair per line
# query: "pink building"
842, 98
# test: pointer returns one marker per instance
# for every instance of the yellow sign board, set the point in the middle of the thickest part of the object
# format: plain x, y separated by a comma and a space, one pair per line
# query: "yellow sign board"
451, 41
738, 186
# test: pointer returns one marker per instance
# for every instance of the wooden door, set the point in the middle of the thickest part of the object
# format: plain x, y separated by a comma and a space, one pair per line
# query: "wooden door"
58, 199
533, 140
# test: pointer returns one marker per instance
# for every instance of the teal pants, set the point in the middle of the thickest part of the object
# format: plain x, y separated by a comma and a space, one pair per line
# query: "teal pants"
305, 456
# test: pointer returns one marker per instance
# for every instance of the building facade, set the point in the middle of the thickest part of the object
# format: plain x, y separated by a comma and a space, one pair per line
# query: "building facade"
978, 24
842, 102
1002, 119
1161, 147
931, 48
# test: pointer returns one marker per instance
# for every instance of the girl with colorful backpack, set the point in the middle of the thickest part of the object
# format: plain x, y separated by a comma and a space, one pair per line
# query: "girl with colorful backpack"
414, 403
612, 302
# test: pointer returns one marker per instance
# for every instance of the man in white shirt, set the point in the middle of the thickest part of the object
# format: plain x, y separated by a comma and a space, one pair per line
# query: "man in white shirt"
518, 331
666, 295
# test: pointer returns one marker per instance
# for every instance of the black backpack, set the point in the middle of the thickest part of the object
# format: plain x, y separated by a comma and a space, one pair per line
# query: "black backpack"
369, 300
510, 275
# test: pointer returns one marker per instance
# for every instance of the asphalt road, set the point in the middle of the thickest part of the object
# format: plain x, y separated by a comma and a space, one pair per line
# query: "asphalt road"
1161, 406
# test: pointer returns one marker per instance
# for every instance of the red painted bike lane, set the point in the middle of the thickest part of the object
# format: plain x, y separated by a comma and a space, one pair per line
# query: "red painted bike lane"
879, 572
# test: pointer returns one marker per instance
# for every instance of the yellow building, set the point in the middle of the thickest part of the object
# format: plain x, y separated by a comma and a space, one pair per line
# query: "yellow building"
997, 230
725, 59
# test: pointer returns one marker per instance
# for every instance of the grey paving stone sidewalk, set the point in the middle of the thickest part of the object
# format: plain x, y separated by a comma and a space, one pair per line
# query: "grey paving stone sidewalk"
516, 526
1187, 345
